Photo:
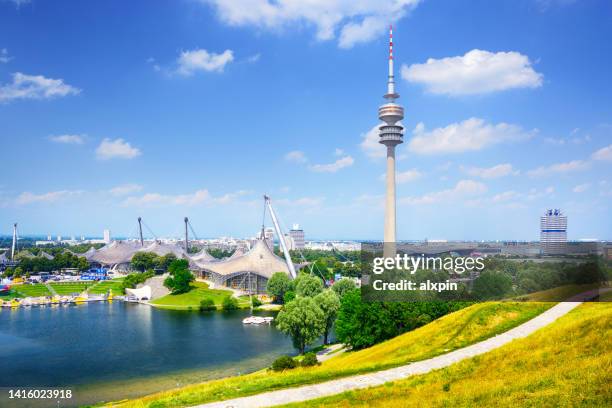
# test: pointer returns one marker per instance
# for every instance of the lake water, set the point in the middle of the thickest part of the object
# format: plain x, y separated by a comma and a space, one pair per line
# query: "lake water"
111, 351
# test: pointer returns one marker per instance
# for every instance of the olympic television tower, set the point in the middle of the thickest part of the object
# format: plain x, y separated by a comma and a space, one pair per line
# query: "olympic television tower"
391, 134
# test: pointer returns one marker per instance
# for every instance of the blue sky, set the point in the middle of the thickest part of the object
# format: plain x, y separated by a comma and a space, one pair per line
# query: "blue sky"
111, 110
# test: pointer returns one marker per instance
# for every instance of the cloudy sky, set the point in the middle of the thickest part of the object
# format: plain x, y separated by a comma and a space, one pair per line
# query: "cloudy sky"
111, 110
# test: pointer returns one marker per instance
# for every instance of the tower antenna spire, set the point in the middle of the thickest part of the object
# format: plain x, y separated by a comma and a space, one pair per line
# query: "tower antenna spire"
391, 95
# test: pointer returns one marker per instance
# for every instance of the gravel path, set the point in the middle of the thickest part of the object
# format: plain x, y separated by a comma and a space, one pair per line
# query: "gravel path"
157, 286
324, 389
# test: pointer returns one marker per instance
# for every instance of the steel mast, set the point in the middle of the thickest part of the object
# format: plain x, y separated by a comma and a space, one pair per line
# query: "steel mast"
281, 238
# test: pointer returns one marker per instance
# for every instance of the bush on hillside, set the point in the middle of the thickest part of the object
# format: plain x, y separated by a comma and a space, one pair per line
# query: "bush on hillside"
284, 363
229, 303
309, 360
256, 301
207, 304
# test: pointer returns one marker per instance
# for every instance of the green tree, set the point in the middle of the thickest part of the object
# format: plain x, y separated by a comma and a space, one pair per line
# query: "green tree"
177, 265
180, 277
142, 261
303, 320
363, 324
329, 302
492, 284
289, 296
278, 285
343, 285
229, 303
82, 264
8, 272
308, 285
163, 262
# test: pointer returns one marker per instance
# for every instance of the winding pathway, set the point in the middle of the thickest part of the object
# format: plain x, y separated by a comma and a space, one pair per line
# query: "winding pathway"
338, 386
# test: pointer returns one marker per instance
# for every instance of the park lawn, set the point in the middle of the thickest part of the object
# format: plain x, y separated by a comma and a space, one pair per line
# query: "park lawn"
35, 290
566, 364
191, 299
455, 330
103, 287
70, 288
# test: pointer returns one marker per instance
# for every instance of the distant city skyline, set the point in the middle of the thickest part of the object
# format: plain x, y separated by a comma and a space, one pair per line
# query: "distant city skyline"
198, 108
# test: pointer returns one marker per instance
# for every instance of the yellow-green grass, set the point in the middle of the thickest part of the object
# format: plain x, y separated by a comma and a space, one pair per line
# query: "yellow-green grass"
191, 300
35, 290
103, 287
70, 288
450, 332
559, 293
566, 364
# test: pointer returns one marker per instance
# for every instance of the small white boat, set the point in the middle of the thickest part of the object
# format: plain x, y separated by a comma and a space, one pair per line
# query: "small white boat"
257, 320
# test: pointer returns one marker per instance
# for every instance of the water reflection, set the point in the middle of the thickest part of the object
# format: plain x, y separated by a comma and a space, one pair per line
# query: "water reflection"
100, 342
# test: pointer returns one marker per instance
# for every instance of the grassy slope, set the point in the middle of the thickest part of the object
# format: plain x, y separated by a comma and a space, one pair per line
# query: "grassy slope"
31, 290
102, 287
453, 331
565, 364
192, 298
70, 288
559, 293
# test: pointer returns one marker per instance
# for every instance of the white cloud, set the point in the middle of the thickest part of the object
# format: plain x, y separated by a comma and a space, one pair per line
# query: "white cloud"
118, 148
558, 168
68, 139
156, 199
470, 135
4, 56
476, 72
358, 21
35, 87
463, 189
296, 156
370, 146
499, 170
230, 197
301, 202
605, 153
52, 196
581, 188
535, 194
341, 163
505, 196
407, 176
125, 189
189, 62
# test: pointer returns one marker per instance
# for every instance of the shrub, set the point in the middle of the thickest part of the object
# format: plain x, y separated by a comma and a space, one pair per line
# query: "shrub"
284, 363
256, 301
289, 296
229, 303
207, 304
309, 360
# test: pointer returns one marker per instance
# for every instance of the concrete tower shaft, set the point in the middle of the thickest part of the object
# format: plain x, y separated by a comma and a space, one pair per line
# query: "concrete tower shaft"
391, 134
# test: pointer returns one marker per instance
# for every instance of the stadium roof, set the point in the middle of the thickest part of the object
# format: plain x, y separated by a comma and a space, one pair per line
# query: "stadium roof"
259, 260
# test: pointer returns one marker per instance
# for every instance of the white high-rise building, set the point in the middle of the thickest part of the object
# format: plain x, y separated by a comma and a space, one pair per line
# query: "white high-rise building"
107, 237
391, 134
553, 232
297, 235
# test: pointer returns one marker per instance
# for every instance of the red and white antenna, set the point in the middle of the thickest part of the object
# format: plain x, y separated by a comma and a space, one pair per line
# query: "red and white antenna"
391, 81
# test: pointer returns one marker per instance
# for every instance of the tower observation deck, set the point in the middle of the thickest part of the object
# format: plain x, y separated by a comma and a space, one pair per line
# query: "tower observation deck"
391, 134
